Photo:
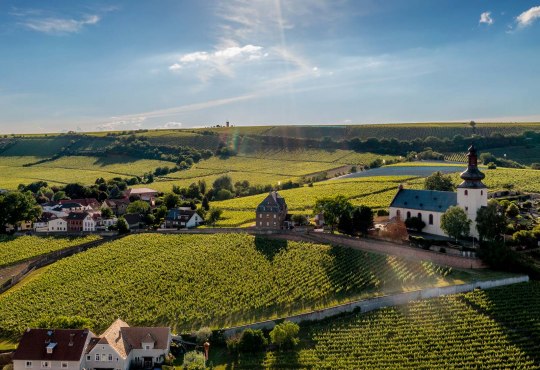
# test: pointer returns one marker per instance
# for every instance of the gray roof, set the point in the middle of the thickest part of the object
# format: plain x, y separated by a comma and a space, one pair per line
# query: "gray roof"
425, 200
273, 203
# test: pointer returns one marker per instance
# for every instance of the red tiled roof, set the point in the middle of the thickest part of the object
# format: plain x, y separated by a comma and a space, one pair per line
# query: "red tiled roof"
33, 344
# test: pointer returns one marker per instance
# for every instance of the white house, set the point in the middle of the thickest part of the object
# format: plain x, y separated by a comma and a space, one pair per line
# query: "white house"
122, 346
57, 224
182, 217
44, 349
429, 205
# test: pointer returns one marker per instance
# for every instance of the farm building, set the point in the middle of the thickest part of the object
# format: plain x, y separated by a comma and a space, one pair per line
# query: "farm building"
429, 205
272, 212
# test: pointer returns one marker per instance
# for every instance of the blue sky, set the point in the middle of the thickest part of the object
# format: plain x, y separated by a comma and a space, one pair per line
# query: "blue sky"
91, 65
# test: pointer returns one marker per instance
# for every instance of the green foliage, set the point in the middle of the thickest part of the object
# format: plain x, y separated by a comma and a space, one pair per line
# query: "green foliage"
512, 210
455, 223
106, 212
122, 226
527, 238
332, 209
213, 216
491, 221
18, 249
345, 224
284, 335
439, 181
203, 334
16, 207
194, 360
300, 220
139, 207
171, 200
362, 219
64, 322
415, 223
252, 340
190, 281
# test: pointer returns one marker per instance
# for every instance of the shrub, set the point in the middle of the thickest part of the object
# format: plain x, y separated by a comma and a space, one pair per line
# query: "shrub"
491, 166
203, 334
382, 212
415, 223
285, 334
252, 341
194, 360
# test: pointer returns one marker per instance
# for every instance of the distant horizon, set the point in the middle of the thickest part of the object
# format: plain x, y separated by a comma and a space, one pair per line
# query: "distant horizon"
130, 64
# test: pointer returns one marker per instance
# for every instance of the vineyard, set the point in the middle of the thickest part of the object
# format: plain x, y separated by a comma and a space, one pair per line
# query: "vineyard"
17, 249
188, 281
493, 329
376, 192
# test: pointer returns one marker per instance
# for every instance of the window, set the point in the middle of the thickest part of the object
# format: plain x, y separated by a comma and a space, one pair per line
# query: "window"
45, 364
398, 213
481, 192
64, 365
110, 357
431, 219
274, 223
28, 364
267, 223
146, 347
260, 215
97, 356
466, 192
419, 216
408, 214
88, 358
274, 215
466, 208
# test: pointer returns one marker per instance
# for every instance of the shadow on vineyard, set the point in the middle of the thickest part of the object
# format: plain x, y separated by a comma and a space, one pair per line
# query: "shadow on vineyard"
270, 247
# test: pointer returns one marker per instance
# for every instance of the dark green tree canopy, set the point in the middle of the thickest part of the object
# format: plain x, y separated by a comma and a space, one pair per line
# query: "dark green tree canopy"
491, 221
439, 181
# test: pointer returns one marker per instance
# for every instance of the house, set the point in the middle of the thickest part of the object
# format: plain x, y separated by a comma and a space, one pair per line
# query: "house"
80, 221
57, 224
60, 349
118, 206
88, 204
145, 194
134, 220
121, 347
272, 212
429, 205
42, 223
182, 217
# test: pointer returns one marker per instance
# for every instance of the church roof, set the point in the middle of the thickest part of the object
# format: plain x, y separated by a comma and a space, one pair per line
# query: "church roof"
424, 200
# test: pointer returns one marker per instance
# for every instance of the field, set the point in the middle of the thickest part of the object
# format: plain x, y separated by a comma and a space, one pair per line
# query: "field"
188, 281
72, 169
376, 192
492, 329
18, 249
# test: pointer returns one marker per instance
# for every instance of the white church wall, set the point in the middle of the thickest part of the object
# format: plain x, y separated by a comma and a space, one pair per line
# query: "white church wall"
431, 228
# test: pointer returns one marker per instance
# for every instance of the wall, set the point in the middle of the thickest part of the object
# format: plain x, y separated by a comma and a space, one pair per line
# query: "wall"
367, 305
430, 229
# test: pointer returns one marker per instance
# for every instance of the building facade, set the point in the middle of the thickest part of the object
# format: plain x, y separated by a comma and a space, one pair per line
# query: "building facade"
271, 213
430, 205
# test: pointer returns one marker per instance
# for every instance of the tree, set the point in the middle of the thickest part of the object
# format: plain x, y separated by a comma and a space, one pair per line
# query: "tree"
16, 207
252, 341
64, 322
415, 223
223, 182
122, 226
203, 334
439, 181
512, 210
139, 206
223, 194
455, 223
491, 221
59, 195
332, 209
194, 360
285, 334
362, 218
171, 200
300, 220
205, 204
213, 216
345, 224
106, 212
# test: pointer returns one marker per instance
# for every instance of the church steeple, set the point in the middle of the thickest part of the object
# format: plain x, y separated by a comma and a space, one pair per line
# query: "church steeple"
472, 176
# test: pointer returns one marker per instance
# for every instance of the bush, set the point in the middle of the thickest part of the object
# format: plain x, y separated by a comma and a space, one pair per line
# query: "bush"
415, 223
194, 360
252, 341
382, 212
284, 335
203, 334
491, 166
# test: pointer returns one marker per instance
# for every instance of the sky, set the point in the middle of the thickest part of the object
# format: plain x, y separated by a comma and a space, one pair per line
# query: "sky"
118, 65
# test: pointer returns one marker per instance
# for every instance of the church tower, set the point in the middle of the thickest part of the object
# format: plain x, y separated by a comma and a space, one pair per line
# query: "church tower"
472, 193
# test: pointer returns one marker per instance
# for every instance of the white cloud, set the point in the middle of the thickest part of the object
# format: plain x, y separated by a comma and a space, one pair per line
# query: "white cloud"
122, 123
485, 17
528, 17
220, 61
171, 125
59, 25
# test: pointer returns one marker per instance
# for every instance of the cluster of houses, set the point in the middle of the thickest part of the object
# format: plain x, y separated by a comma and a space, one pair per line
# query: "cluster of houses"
85, 215
120, 347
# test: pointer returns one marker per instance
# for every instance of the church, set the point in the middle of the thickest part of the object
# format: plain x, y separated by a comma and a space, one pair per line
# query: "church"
429, 205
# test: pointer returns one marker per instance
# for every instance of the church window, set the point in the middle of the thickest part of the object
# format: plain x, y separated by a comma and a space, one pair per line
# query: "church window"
431, 219
408, 214
481, 192
466, 208
419, 215
466, 192
398, 213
